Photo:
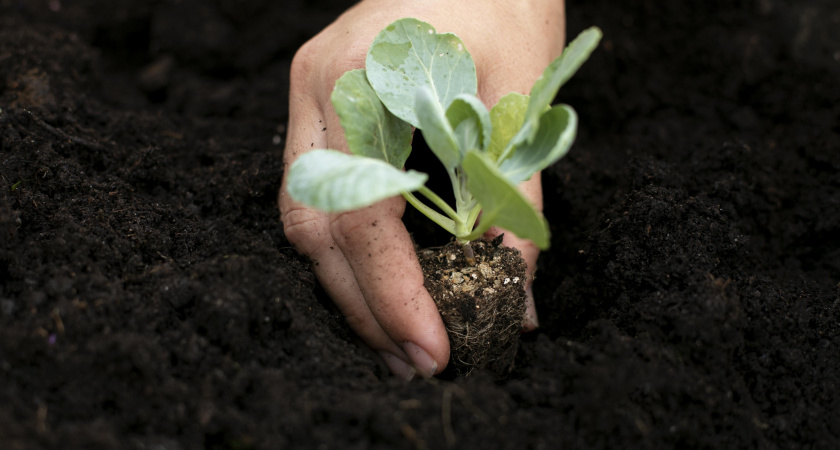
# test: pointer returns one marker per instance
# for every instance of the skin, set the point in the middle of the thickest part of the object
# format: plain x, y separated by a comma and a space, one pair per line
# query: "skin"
365, 259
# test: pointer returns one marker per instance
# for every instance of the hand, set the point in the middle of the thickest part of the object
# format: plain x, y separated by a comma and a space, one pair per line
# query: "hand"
365, 259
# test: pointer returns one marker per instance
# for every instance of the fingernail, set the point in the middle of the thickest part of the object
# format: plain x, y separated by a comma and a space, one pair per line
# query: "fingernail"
398, 367
425, 365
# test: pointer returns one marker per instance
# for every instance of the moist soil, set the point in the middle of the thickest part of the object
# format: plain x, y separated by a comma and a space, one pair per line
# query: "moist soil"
481, 300
149, 298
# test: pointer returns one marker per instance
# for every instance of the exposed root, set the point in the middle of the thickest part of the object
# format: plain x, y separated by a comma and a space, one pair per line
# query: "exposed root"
469, 254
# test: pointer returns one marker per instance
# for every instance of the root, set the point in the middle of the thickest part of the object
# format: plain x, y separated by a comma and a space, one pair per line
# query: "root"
469, 254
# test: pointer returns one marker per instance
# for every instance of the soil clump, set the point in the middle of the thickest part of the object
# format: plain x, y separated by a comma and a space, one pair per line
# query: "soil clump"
482, 303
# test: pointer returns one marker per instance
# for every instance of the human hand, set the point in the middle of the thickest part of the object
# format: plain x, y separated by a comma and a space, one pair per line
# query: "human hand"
365, 258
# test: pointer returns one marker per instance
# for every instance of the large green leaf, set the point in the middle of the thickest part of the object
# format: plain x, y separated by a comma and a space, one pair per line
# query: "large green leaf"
501, 202
333, 181
506, 118
371, 129
409, 54
470, 121
554, 137
436, 129
554, 76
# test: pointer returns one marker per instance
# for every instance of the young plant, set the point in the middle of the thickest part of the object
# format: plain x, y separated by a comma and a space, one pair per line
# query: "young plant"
415, 77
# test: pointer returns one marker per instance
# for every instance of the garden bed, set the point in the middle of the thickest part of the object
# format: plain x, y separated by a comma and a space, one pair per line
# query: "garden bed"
149, 299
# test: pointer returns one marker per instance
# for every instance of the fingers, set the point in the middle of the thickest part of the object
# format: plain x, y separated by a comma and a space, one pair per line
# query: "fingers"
381, 255
379, 250
532, 190
308, 229
382, 297
370, 271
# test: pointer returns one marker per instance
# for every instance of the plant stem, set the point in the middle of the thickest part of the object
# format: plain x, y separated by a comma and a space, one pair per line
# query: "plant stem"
440, 204
456, 186
469, 254
445, 222
473, 216
474, 234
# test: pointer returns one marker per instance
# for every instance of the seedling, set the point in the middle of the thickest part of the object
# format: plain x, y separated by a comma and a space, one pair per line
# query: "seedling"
416, 77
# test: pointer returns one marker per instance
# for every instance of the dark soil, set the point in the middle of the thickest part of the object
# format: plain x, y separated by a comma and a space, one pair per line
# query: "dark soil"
149, 299
482, 303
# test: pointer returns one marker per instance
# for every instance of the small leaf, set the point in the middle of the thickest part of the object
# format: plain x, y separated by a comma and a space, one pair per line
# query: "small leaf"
554, 137
506, 118
409, 54
471, 122
371, 129
501, 202
333, 181
436, 129
554, 76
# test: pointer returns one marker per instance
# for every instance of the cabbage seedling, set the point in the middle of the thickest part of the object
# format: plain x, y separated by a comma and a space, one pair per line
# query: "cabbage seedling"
416, 77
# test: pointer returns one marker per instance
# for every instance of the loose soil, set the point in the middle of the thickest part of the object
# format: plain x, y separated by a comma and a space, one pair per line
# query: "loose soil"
149, 299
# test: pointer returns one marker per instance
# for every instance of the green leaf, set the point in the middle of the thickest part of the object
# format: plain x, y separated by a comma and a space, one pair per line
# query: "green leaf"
371, 129
436, 129
554, 76
470, 121
333, 181
501, 202
554, 137
409, 54
506, 118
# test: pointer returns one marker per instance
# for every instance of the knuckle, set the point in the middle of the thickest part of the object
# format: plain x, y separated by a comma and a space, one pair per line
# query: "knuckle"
347, 226
303, 62
344, 226
317, 61
347, 62
304, 228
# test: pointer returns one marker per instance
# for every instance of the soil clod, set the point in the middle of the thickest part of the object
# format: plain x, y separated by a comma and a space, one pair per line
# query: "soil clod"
482, 303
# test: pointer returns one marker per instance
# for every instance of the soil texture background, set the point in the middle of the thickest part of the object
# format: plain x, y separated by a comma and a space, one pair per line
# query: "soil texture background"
149, 298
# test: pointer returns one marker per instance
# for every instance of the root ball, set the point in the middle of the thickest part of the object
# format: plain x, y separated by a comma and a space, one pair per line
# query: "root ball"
482, 305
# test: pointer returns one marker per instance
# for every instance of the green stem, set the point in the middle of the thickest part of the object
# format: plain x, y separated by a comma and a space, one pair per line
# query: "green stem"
472, 236
456, 186
436, 217
440, 204
473, 217
464, 204
474, 232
